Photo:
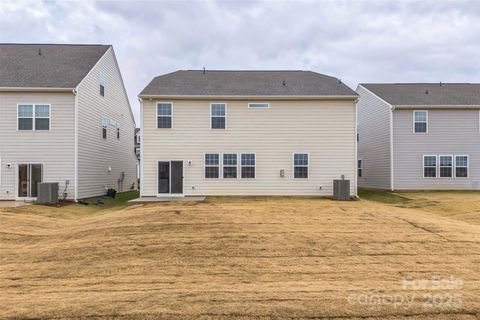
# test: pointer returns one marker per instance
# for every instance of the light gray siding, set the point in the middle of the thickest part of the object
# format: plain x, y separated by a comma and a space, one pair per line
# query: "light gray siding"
95, 154
450, 132
324, 129
54, 149
374, 140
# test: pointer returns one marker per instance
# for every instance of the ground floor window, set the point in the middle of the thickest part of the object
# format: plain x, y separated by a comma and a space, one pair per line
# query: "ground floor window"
300, 165
359, 168
230, 165
429, 166
248, 162
461, 166
212, 165
446, 166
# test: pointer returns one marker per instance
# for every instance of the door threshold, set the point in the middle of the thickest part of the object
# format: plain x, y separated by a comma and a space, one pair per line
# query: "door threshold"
167, 195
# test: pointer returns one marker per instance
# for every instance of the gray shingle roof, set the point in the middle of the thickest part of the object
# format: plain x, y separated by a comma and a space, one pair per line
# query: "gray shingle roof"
246, 83
427, 94
47, 65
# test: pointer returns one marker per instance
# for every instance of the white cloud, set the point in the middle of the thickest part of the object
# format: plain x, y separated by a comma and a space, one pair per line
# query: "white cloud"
358, 41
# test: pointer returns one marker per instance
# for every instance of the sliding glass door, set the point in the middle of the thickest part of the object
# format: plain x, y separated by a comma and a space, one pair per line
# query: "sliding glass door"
29, 175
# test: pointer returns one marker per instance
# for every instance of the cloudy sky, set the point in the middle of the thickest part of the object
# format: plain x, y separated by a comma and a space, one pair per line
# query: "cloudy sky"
357, 41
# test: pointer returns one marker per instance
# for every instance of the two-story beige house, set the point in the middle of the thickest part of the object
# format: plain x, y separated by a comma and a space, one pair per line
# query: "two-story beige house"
419, 136
64, 117
246, 133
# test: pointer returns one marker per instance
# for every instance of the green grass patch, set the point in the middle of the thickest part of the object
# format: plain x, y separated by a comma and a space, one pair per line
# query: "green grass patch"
120, 200
383, 196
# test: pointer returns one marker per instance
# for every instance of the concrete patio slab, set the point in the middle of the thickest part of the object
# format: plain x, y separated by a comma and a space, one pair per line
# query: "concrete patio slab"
164, 199
13, 204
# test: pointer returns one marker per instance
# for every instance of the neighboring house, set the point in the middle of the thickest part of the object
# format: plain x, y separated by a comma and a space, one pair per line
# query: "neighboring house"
64, 117
419, 136
137, 150
246, 133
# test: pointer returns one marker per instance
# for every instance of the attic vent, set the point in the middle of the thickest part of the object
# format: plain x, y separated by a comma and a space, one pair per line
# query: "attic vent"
39, 52
284, 83
426, 91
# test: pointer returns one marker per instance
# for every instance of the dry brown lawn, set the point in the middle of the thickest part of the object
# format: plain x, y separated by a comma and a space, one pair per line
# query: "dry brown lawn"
244, 258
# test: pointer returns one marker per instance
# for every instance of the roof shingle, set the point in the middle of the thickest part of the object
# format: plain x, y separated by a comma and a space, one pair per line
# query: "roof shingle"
427, 94
47, 65
246, 83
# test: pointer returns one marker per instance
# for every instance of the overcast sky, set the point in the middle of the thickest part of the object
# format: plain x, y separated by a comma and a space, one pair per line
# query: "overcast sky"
357, 41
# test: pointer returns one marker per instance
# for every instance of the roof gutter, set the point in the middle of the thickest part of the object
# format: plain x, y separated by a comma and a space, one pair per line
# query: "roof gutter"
247, 97
34, 89
418, 106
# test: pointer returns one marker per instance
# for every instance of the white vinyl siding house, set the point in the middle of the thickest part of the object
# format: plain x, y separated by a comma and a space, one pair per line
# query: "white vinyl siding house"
227, 147
53, 148
46, 122
110, 162
433, 138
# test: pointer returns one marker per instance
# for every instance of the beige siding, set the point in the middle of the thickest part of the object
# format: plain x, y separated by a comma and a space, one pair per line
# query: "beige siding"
324, 129
374, 140
450, 132
54, 149
95, 154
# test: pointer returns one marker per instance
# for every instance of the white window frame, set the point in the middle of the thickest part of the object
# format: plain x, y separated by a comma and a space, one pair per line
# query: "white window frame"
360, 168
230, 166
307, 166
34, 110
455, 166
219, 166
436, 166
426, 121
157, 115
264, 103
250, 166
440, 166
211, 116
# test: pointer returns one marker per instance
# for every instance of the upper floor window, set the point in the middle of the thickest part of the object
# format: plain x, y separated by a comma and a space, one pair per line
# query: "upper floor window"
102, 81
229, 165
33, 117
212, 165
247, 163
300, 165
258, 105
420, 121
164, 115
360, 168
429, 166
461, 166
218, 113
